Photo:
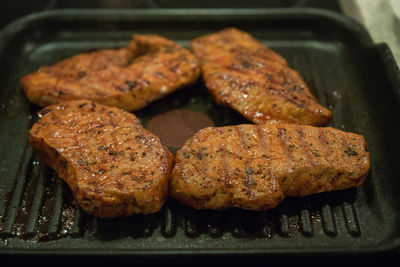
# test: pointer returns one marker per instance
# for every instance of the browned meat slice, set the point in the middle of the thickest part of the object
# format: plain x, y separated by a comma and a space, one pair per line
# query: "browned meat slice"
256, 166
149, 68
113, 165
255, 81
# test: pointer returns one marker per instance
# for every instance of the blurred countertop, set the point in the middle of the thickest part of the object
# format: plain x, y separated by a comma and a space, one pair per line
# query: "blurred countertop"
380, 17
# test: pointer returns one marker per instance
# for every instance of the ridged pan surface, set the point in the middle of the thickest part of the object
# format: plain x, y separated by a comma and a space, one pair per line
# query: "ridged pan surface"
346, 72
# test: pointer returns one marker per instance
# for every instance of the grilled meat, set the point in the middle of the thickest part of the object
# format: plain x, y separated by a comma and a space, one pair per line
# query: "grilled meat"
129, 78
113, 165
255, 81
256, 166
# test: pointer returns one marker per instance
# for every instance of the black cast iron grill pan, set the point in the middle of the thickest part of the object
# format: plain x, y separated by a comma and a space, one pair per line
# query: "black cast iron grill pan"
357, 80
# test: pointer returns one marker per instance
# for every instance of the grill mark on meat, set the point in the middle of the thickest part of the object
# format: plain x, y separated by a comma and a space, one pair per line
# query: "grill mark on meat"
272, 88
324, 145
127, 86
222, 159
320, 151
322, 136
202, 165
261, 136
265, 71
239, 133
287, 151
344, 145
288, 96
304, 146
265, 146
248, 177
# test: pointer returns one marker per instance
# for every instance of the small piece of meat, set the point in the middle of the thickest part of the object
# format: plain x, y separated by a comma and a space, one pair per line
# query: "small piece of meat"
242, 73
256, 166
149, 68
113, 165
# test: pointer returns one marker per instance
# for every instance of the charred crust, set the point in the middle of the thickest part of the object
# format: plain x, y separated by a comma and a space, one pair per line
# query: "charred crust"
116, 153
82, 162
350, 152
131, 85
281, 132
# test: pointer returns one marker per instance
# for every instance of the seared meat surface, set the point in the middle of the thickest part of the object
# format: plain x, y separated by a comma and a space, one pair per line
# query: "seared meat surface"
256, 166
113, 165
242, 73
149, 68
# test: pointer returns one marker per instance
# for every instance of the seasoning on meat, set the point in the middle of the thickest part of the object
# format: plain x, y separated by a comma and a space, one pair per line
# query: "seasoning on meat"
256, 166
242, 73
113, 165
149, 68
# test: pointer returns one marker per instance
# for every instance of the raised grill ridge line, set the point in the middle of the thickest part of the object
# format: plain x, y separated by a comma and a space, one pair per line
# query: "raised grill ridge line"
351, 220
54, 225
328, 219
17, 192
32, 223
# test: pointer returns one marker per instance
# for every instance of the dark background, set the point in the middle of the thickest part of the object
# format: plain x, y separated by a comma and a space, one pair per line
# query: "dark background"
14, 9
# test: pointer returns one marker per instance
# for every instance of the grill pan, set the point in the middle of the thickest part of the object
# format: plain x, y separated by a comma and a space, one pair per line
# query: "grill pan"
357, 80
